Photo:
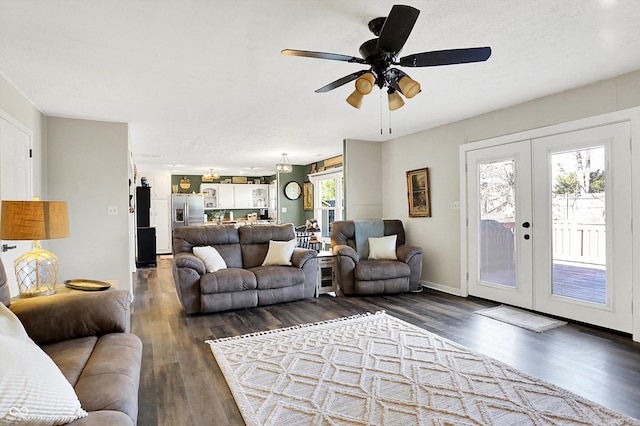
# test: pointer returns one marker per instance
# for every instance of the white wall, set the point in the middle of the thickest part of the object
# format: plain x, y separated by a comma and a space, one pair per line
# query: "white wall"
362, 179
438, 149
15, 104
88, 167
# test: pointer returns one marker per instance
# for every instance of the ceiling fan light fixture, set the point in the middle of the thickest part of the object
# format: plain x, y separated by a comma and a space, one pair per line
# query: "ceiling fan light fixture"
364, 84
355, 99
409, 87
395, 100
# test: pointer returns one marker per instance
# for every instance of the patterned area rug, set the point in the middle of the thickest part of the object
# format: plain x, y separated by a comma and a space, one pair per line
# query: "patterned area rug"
379, 370
520, 318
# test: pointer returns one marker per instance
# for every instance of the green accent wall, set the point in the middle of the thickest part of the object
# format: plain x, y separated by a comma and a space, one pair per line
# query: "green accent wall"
295, 208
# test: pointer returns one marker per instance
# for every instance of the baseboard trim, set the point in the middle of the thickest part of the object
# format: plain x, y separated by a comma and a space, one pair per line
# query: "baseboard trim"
443, 288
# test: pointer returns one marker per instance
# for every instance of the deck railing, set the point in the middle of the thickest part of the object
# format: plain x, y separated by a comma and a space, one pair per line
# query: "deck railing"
576, 242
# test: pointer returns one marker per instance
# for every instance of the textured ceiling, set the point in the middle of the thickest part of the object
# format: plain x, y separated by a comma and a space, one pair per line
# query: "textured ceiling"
203, 84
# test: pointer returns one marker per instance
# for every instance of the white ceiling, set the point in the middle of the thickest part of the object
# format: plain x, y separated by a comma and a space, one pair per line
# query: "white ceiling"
203, 85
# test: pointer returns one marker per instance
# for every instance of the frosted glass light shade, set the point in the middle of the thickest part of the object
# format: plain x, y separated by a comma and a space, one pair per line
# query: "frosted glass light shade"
364, 84
395, 101
355, 99
284, 166
409, 87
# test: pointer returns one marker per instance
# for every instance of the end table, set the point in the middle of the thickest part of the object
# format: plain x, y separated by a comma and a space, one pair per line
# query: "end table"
326, 273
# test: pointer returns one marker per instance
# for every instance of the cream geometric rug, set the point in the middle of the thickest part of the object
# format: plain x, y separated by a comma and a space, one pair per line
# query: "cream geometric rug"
379, 370
520, 318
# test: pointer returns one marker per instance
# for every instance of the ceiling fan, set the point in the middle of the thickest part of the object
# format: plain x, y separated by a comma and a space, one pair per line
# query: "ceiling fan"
381, 54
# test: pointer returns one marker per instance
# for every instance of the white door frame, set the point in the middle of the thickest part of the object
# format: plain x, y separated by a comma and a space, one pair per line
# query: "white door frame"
631, 115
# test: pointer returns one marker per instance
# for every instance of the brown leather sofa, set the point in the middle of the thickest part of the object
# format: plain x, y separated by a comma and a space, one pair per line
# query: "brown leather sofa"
245, 283
368, 276
87, 337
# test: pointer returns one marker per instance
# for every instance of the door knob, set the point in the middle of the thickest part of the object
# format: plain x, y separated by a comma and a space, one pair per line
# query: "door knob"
526, 225
7, 247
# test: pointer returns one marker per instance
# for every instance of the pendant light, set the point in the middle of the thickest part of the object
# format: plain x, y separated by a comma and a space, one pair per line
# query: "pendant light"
284, 166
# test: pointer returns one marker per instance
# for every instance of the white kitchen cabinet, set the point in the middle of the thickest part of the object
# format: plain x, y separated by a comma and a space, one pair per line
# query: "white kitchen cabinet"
251, 196
160, 183
160, 219
234, 196
218, 195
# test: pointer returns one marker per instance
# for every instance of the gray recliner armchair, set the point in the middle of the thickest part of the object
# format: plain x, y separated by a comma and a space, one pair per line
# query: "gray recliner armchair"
373, 276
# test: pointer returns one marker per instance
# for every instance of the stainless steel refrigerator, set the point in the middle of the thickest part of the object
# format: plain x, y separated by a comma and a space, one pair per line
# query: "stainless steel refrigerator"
187, 210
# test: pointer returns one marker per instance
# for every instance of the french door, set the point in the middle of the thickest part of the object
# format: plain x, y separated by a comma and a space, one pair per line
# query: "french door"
549, 224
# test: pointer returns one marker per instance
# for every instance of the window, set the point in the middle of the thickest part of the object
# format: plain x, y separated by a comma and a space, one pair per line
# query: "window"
328, 201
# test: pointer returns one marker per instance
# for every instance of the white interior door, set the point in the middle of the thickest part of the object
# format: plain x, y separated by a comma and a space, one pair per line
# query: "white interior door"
549, 224
15, 184
582, 238
499, 203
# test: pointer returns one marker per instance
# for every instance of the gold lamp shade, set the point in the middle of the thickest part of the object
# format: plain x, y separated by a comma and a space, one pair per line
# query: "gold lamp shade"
409, 87
355, 99
364, 84
395, 100
36, 270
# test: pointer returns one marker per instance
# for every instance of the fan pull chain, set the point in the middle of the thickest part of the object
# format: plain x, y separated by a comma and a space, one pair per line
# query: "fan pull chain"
389, 121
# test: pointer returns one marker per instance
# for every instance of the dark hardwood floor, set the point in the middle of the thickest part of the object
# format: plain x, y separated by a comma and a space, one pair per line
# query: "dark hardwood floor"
181, 384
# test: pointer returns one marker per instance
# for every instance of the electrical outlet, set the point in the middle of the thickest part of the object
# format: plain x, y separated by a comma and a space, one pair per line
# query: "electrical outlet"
284, 210
456, 205
112, 210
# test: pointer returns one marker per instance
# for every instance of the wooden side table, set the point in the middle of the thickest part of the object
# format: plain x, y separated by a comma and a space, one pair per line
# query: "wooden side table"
326, 273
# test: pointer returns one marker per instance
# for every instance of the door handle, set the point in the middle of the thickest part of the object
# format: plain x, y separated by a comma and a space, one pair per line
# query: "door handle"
526, 225
7, 247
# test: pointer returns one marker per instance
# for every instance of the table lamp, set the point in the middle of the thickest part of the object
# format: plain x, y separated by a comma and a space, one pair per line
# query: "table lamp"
36, 270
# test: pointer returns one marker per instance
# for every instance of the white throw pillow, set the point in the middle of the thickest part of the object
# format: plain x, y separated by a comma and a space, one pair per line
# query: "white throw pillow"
11, 326
33, 390
213, 261
280, 253
383, 248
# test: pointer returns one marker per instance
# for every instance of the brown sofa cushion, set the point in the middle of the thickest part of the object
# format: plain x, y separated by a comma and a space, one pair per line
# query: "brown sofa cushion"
254, 241
71, 355
374, 270
278, 276
110, 379
227, 280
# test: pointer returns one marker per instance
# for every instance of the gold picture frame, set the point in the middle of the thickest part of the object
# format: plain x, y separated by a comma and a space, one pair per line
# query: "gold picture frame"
418, 193
307, 195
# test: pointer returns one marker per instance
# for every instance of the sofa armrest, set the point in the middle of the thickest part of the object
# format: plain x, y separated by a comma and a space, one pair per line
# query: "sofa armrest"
344, 250
405, 253
68, 316
301, 256
189, 260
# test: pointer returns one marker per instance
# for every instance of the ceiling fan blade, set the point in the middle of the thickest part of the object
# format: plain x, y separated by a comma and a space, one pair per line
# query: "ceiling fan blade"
446, 57
322, 55
341, 81
397, 27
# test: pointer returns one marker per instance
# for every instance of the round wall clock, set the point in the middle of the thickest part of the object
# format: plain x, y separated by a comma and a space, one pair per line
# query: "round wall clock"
292, 190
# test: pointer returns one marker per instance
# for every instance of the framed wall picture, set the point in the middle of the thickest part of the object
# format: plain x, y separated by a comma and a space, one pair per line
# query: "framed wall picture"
418, 193
308, 195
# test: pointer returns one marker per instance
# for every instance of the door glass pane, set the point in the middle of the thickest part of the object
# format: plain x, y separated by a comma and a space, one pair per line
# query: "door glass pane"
497, 219
327, 204
579, 224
